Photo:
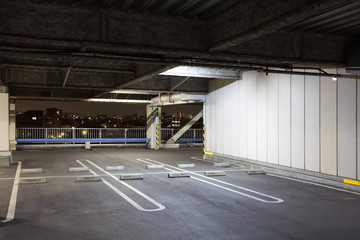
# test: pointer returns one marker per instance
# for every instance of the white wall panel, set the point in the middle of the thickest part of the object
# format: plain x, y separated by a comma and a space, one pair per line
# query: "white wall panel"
297, 121
251, 114
227, 119
206, 119
305, 122
210, 119
4, 122
312, 123
234, 119
284, 120
273, 118
347, 128
243, 117
261, 117
220, 116
328, 112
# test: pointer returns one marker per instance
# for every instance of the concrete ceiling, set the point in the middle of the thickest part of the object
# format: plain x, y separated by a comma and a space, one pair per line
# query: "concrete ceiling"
67, 49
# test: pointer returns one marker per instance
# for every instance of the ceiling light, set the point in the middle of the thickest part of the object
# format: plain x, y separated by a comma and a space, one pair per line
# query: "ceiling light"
117, 100
334, 78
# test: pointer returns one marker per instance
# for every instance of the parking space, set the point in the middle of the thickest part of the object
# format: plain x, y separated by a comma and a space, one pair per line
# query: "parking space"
235, 206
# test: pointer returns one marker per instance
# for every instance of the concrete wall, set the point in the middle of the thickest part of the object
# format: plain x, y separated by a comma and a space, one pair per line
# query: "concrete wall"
303, 122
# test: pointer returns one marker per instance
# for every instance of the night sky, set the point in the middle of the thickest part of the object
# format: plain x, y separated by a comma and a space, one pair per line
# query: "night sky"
94, 109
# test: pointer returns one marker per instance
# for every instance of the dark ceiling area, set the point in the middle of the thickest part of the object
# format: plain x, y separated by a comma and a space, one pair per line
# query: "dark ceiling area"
79, 49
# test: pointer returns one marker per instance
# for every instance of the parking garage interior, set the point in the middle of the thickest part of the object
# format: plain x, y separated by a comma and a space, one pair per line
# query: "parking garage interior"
278, 85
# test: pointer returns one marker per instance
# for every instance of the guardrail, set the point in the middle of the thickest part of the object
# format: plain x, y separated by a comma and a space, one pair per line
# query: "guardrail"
98, 135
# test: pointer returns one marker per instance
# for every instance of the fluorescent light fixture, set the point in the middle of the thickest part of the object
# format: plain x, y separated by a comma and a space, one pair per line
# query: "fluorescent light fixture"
117, 100
203, 72
145, 92
334, 78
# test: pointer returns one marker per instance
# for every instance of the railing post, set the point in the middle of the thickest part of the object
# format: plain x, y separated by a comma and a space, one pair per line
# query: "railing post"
46, 135
125, 135
73, 134
100, 136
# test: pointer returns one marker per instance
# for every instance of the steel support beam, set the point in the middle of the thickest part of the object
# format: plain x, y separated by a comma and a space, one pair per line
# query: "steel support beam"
185, 128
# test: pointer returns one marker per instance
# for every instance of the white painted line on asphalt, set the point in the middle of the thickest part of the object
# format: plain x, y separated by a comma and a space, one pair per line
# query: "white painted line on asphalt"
132, 202
31, 170
186, 165
118, 174
114, 168
276, 200
316, 184
12, 205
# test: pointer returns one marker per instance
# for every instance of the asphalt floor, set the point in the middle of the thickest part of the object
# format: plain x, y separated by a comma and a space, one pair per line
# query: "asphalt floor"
235, 206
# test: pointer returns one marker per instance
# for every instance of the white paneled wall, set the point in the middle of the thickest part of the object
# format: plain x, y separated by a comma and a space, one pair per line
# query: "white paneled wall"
304, 122
312, 123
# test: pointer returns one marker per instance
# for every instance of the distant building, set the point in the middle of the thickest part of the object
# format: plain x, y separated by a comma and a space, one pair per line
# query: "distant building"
53, 117
33, 119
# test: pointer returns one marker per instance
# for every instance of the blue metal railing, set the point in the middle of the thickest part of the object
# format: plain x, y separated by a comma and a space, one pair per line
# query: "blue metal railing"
81, 135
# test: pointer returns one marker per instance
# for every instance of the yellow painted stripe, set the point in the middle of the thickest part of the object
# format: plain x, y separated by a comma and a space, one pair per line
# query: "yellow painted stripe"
208, 153
351, 181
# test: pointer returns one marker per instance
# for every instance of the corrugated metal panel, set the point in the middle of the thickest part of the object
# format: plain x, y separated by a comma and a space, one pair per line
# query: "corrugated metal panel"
186, 8
344, 20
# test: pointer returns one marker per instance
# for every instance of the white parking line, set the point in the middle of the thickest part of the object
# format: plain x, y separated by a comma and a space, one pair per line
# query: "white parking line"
275, 199
12, 205
118, 174
132, 202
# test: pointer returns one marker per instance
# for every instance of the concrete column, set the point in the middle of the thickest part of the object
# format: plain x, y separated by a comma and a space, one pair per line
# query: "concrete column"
5, 153
153, 118
12, 127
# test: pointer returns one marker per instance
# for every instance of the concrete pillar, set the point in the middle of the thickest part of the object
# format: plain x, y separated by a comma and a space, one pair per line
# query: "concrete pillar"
153, 116
12, 127
5, 153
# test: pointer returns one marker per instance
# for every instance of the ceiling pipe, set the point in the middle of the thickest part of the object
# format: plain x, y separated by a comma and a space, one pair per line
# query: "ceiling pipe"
178, 98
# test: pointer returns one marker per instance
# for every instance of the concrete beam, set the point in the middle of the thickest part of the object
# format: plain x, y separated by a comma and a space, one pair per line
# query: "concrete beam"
80, 23
252, 19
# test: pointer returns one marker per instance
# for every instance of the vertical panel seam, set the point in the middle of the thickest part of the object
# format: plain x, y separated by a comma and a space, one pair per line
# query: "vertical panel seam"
291, 93
278, 120
337, 125
356, 127
304, 123
320, 132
